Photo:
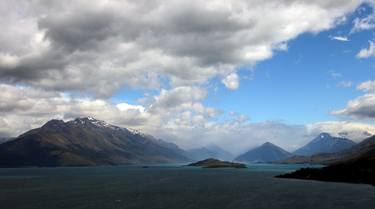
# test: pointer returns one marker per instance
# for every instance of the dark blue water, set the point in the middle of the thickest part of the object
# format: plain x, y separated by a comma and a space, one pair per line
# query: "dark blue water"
174, 187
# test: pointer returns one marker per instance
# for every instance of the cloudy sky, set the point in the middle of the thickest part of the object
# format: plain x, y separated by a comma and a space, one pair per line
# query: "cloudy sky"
233, 73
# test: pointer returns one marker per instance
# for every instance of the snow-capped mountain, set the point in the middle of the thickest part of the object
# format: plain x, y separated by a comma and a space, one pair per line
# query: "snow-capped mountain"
324, 143
86, 141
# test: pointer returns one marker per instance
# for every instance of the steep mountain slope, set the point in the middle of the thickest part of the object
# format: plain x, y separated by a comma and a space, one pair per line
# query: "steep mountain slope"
85, 141
324, 143
210, 151
267, 152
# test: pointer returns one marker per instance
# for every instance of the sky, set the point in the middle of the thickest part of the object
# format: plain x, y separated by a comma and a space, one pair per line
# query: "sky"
231, 73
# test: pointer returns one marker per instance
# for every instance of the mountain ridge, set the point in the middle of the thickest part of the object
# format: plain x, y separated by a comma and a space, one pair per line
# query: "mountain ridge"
84, 142
365, 147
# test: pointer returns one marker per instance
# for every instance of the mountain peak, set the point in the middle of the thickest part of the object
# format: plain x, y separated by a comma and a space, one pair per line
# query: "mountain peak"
84, 119
267, 152
324, 143
324, 135
268, 144
53, 123
103, 124
90, 120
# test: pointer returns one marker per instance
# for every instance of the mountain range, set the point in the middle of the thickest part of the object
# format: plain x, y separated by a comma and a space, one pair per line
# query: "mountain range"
356, 165
324, 143
364, 149
86, 142
267, 152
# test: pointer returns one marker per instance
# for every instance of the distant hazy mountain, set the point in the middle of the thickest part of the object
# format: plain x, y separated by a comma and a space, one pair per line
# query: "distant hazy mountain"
324, 143
210, 151
267, 152
364, 149
86, 141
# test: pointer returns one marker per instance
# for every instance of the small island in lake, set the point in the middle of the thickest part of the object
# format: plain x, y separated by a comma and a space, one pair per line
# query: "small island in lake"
215, 163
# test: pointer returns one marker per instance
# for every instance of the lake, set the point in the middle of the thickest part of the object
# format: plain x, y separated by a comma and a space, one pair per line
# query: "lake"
174, 187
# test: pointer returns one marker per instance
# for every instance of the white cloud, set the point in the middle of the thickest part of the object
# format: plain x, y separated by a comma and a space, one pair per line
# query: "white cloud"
340, 38
351, 130
23, 108
281, 46
128, 107
8, 61
362, 107
231, 81
367, 52
366, 23
363, 24
367, 86
98, 47
178, 97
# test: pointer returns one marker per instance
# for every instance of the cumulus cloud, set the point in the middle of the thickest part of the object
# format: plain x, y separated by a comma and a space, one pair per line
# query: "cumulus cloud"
367, 52
362, 107
231, 81
100, 46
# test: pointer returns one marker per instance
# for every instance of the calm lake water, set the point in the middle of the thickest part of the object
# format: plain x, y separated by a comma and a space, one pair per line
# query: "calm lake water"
174, 187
